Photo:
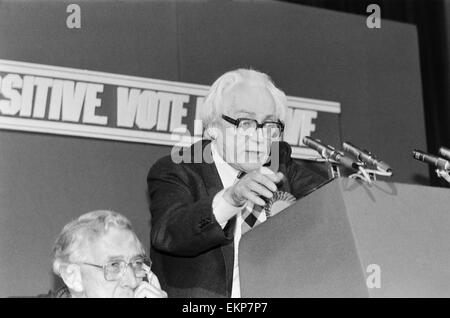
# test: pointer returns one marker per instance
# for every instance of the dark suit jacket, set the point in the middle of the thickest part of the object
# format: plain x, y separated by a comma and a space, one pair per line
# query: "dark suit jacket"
192, 255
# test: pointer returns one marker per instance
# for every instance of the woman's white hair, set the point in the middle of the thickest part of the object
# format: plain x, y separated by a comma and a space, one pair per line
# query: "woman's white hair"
69, 245
213, 106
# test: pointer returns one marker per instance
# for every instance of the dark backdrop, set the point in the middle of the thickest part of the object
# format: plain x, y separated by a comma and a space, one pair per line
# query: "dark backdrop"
432, 19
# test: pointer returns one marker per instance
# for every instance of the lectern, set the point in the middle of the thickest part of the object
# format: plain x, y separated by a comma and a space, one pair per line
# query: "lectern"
352, 239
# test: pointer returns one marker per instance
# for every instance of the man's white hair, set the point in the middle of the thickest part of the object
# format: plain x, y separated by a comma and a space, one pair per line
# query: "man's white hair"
213, 106
70, 243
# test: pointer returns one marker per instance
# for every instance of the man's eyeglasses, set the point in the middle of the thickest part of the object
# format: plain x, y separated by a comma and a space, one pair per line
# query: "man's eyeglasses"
113, 270
248, 126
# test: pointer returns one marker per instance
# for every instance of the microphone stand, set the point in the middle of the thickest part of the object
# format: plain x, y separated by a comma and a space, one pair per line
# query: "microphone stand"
444, 174
368, 175
333, 168
364, 172
333, 165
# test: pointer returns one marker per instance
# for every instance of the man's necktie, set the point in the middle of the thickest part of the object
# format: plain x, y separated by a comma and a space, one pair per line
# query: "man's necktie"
252, 214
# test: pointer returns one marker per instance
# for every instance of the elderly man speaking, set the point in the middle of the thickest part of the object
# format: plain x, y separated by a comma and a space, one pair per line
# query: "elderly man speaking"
201, 208
99, 256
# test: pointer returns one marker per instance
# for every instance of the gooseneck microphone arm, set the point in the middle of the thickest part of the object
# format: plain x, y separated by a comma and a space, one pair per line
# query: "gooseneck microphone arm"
366, 156
360, 163
438, 162
444, 152
442, 165
331, 154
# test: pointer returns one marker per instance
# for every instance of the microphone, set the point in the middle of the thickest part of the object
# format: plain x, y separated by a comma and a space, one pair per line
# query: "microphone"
366, 156
324, 150
436, 161
444, 152
330, 153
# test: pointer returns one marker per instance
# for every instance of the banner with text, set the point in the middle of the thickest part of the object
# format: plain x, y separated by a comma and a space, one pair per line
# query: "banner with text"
67, 101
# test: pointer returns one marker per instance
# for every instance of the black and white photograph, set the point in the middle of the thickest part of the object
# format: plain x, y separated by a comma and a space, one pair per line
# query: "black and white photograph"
224, 149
